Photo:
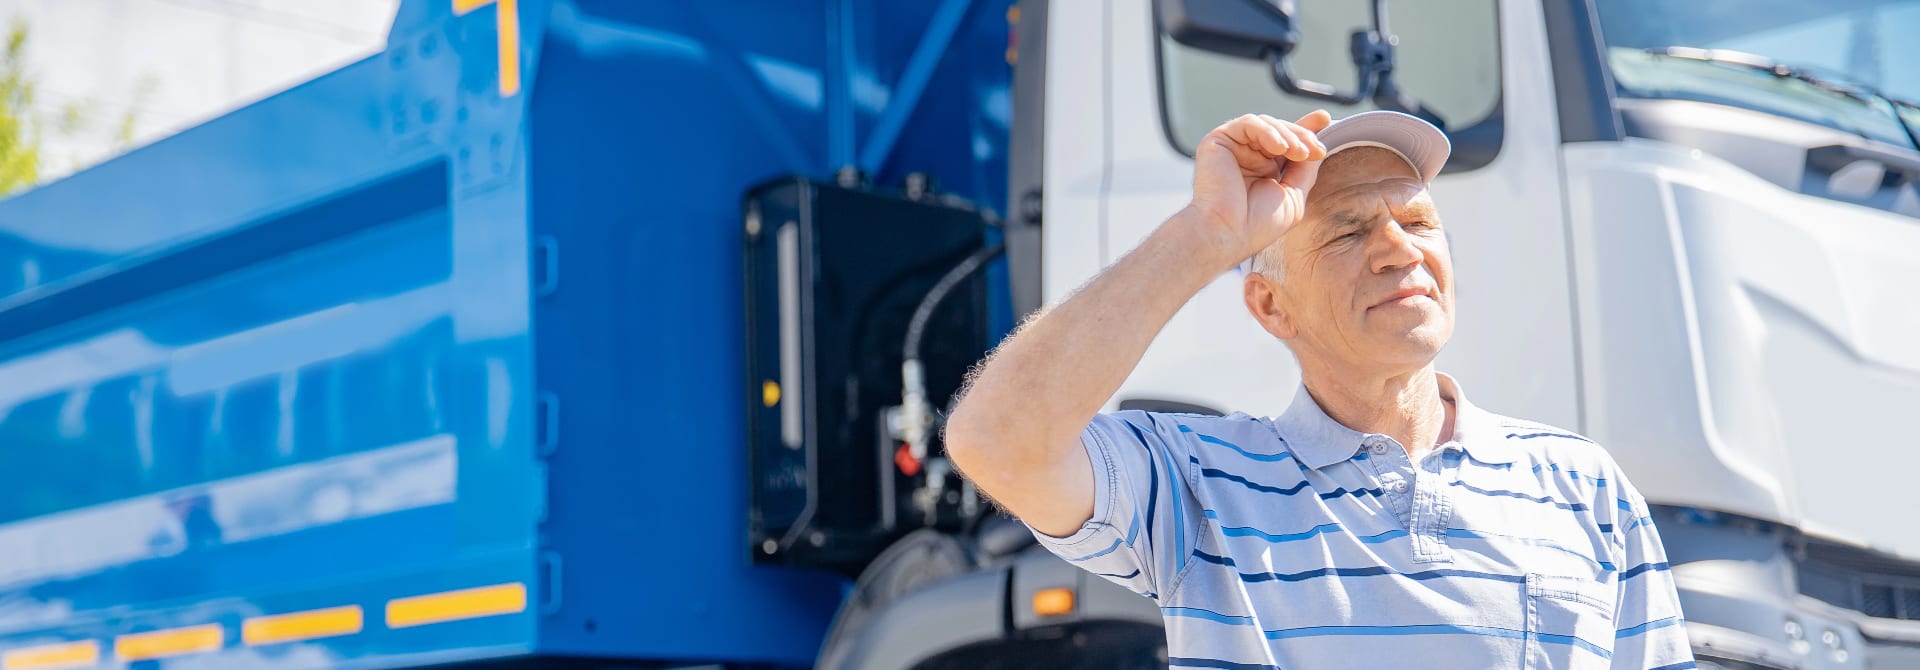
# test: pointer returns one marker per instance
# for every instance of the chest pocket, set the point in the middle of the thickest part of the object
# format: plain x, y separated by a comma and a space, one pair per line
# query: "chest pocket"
1569, 622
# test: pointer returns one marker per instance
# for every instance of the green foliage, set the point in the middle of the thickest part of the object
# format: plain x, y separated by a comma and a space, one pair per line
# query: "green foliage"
23, 125
19, 135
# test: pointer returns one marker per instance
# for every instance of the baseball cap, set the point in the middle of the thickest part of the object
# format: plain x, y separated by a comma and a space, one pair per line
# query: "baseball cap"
1418, 142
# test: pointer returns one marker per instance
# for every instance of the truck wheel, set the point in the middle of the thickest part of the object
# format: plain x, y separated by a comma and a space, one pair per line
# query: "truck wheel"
1097, 645
922, 557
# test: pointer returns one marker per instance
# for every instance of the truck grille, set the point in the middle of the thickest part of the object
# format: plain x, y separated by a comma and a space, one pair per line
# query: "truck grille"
1887, 600
1871, 583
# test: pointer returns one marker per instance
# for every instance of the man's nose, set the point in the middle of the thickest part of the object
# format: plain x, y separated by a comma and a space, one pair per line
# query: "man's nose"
1392, 248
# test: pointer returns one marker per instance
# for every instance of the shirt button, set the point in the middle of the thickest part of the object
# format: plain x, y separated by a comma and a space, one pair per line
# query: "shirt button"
1400, 487
1379, 448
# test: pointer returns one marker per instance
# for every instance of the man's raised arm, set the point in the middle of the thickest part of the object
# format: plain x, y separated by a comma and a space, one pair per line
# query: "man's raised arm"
1016, 432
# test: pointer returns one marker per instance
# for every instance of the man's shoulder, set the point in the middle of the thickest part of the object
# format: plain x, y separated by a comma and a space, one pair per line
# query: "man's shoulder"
1238, 431
1547, 445
1190, 421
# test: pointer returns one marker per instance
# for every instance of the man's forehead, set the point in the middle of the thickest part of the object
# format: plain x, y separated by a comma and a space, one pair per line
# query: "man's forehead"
1379, 192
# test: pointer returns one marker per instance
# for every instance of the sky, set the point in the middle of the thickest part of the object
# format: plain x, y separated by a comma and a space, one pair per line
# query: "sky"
177, 63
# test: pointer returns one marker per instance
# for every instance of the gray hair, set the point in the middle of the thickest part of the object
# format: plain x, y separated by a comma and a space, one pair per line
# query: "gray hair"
1269, 262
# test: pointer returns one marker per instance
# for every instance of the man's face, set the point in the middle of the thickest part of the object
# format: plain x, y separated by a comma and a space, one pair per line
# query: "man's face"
1368, 277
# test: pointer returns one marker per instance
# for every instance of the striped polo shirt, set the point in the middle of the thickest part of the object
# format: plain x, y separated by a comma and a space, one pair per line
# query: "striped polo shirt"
1296, 542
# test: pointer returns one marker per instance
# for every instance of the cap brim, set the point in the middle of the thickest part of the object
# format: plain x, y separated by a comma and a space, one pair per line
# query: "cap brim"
1420, 143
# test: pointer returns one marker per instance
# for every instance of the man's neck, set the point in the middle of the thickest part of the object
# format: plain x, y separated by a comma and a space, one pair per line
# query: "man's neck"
1405, 406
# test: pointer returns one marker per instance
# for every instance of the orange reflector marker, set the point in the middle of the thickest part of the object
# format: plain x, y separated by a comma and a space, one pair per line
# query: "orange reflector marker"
169, 642
1053, 602
302, 625
769, 393
44, 657
508, 23
456, 605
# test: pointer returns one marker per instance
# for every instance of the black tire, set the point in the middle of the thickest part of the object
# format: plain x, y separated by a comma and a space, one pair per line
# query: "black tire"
1094, 645
922, 557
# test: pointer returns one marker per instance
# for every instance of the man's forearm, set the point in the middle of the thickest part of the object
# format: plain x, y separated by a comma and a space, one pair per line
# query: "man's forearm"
1041, 388
1016, 433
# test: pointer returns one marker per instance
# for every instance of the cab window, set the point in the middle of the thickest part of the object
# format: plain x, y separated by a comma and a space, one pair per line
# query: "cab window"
1448, 58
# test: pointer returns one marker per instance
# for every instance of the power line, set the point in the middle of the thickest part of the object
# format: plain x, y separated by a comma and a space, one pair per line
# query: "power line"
84, 100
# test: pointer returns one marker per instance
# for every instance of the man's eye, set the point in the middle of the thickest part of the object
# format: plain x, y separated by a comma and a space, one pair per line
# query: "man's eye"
1417, 223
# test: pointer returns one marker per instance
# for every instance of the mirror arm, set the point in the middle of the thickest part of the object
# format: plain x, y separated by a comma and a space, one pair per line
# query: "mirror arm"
1389, 96
1283, 77
1373, 59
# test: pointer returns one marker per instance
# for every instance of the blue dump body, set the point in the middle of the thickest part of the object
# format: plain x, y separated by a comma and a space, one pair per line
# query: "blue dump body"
437, 357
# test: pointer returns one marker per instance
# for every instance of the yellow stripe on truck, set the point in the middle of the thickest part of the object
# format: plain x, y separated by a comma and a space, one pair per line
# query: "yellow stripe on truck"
508, 47
456, 605
44, 657
506, 23
305, 625
169, 642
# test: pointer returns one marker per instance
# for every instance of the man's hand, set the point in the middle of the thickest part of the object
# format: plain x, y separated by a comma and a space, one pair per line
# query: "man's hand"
1250, 181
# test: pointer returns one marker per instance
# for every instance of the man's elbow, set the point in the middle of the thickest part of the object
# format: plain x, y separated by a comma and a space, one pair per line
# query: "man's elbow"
980, 445
965, 438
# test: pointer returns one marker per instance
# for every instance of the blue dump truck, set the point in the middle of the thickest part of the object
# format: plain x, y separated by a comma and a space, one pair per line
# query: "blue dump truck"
617, 334
439, 357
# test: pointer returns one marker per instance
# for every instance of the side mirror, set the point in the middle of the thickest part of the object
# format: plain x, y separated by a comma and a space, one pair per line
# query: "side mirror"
1267, 29
1239, 28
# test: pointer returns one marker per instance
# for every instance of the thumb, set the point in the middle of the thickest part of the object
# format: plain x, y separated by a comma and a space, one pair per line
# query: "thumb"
1301, 175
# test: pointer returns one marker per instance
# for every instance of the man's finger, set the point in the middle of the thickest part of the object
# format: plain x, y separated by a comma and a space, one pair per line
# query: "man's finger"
1248, 158
1301, 175
1316, 120
1274, 143
1307, 141
1298, 146
1255, 145
1250, 131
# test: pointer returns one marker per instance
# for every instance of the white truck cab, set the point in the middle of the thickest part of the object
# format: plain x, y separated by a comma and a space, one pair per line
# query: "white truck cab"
1686, 230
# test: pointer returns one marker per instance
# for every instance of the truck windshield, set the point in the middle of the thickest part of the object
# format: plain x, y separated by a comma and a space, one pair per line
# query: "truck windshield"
1845, 64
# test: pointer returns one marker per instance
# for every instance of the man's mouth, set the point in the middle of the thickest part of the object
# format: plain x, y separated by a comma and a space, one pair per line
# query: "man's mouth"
1405, 296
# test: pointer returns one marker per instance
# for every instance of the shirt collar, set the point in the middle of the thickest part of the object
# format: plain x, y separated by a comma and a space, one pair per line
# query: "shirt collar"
1319, 441
1476, 431
1315, 439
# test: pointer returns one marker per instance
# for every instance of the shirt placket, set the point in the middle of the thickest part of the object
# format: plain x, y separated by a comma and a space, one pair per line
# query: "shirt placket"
1393, 472
1432, 507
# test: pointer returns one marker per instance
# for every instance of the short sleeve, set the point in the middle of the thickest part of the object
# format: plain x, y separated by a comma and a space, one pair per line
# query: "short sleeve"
1650, 631
1145, 519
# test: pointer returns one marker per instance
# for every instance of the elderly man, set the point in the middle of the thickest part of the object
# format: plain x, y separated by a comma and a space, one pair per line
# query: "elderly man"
1381, 520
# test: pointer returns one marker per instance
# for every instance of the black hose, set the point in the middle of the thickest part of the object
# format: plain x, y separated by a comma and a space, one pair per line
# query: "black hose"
917, 326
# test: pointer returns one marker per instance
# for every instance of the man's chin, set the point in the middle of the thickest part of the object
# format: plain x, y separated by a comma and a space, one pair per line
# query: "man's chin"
1418, 344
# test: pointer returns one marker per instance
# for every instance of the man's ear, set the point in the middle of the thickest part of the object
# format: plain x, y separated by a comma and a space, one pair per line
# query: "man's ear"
1262, 296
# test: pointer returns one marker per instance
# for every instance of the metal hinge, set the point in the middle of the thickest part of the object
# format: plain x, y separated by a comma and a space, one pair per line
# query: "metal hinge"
550, 585
547, 424
546, 265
